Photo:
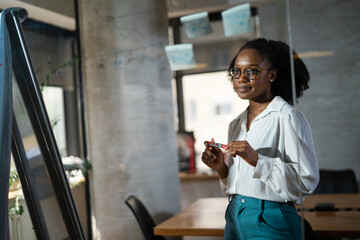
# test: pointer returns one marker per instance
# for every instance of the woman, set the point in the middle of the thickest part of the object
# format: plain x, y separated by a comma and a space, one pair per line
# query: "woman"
272, 162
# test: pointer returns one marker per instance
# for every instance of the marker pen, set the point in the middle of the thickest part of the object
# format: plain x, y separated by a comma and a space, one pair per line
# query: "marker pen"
219, 145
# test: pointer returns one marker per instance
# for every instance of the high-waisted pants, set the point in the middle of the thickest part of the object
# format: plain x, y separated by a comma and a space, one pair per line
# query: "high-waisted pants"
251, 218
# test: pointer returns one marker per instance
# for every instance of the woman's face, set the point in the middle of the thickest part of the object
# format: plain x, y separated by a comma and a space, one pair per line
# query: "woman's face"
259, 88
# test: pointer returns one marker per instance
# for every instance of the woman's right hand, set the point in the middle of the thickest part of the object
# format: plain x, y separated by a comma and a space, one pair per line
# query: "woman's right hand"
214, 159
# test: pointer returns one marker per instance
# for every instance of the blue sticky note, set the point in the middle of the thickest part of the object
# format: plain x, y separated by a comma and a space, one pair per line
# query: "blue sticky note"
196, 25
181, 56
237, 20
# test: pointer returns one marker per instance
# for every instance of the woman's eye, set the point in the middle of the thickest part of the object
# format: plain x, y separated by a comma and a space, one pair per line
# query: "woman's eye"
251, 71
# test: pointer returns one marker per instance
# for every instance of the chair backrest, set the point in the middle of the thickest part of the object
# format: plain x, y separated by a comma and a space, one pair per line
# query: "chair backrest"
337, 181
309, 232
143, 217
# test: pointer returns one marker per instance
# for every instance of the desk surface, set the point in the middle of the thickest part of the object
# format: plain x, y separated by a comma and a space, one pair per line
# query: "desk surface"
197, 176
336, 224
205, 217
343, 200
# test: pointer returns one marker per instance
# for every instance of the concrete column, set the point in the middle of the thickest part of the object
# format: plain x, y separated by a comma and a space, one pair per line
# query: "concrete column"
132, 141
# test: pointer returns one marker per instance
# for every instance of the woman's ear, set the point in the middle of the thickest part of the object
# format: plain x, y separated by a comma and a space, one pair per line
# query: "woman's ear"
273, 74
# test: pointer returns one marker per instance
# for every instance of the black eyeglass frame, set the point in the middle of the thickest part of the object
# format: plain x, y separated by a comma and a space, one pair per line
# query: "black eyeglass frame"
245, 71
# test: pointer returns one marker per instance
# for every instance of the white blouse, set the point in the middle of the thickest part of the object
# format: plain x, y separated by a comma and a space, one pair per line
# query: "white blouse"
287, 168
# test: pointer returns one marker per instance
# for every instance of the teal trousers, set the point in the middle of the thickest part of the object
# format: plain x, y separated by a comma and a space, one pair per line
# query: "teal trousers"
251, 218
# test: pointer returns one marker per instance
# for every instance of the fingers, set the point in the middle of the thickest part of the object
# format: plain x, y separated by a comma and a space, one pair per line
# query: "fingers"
234, 153
237, 144
244, 150
211, 148
237, 148
208, 156
207, 144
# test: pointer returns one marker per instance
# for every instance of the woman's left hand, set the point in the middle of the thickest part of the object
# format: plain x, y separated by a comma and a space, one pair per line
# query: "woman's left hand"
244, 150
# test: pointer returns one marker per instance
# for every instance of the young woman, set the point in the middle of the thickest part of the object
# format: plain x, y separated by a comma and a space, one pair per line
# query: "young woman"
272, 162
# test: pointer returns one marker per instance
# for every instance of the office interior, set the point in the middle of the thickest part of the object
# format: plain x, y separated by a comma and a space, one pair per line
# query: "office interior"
116, 104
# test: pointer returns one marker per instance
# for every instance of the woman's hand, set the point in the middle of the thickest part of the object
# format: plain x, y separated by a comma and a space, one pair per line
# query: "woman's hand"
244, 150
214, 159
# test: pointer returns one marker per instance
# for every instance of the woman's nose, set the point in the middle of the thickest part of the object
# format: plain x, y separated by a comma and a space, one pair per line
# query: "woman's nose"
242, 78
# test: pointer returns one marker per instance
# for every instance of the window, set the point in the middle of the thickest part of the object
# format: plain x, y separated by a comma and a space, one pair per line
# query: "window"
209, 97
222, 105
54, 101
206, 101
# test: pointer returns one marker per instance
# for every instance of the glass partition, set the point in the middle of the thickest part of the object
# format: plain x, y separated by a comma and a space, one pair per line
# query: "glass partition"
37, 174
324, 35
326, 42
36, 155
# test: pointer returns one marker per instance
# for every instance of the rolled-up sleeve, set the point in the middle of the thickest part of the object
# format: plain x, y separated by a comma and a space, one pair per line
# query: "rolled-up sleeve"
223, 184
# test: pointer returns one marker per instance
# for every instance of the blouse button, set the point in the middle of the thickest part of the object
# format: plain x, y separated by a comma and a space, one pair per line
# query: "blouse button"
243, 200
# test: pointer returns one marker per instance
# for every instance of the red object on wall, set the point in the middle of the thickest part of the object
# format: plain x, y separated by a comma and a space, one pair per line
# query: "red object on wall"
186, 152
191, 142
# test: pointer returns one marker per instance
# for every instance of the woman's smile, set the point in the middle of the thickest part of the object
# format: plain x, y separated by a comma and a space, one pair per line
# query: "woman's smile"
243, 89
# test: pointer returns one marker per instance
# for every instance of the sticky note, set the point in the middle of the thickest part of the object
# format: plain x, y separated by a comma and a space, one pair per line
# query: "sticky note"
237, 20
181, 56
196, 25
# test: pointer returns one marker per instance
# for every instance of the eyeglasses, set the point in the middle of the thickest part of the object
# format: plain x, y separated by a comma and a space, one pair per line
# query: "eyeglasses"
250, 73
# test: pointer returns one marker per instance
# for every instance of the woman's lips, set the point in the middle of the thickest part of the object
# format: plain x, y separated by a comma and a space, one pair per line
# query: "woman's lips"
243, 89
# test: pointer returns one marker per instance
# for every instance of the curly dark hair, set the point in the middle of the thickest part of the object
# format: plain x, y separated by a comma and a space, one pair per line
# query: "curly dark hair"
277, 54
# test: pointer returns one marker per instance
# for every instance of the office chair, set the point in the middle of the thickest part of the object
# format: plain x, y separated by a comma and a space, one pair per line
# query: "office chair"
337, 181
309, 232
143, 217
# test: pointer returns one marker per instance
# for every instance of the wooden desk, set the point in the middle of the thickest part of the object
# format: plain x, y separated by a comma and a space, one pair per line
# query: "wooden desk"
205, 217
343, 200
336, 224
183, 176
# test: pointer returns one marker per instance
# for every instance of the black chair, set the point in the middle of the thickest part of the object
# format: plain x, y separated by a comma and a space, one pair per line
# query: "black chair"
337, 181
143, 217
309, 232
